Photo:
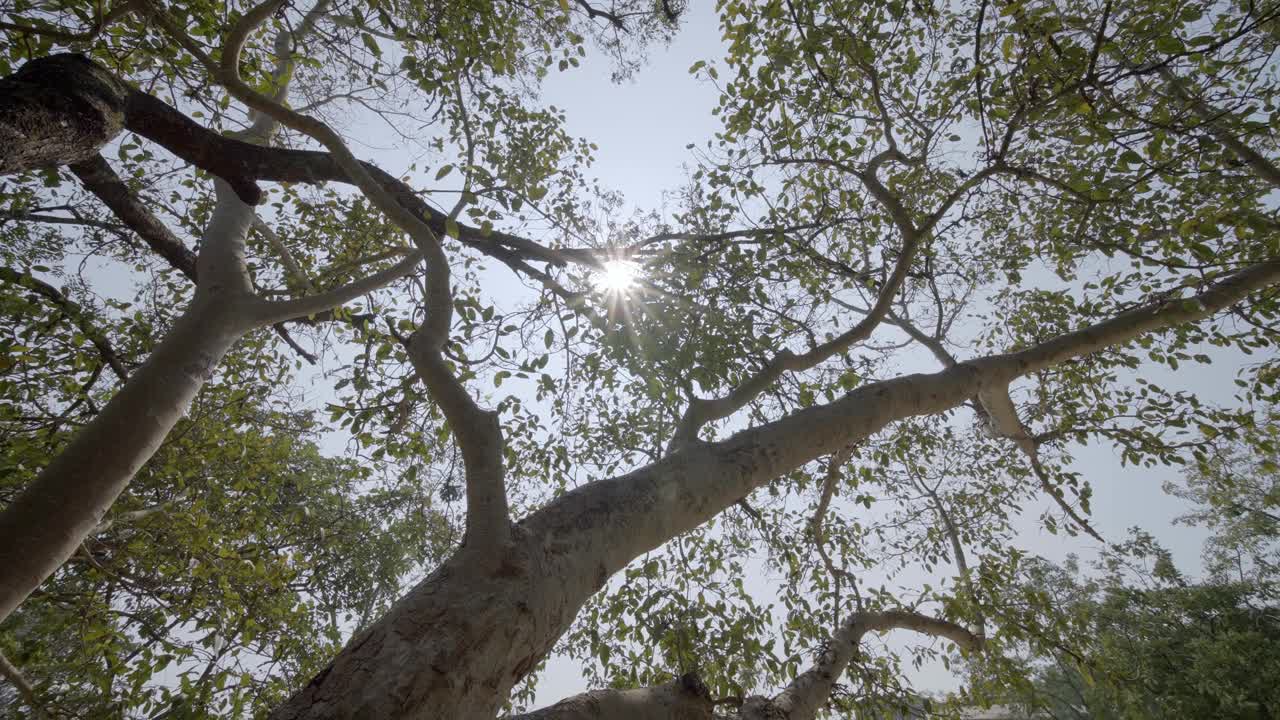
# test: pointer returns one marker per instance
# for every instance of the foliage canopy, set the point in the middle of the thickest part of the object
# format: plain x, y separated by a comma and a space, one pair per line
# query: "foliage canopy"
1051, 210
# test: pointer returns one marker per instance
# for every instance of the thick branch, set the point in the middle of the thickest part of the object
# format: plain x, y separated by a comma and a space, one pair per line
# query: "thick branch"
809, 692
99, 178
569, 548
640, 511
38, 93
477, 431
685, 698
478, 435
46, 523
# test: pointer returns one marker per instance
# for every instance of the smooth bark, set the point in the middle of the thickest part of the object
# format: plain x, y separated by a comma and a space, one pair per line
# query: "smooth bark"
810, 691
684, 698
46, 523
687, 698
456, 644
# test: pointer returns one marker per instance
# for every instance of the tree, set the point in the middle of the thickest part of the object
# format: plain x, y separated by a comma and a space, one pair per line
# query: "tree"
1236, 489
1157, 645
1046, 196
1146, 640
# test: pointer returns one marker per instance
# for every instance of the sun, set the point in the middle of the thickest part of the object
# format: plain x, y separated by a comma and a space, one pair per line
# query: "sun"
617, 276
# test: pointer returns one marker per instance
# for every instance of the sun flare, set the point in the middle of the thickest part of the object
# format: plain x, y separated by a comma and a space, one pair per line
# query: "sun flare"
617, 276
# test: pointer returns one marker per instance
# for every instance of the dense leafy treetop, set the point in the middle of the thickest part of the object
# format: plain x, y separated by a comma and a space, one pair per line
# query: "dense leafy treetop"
897, 187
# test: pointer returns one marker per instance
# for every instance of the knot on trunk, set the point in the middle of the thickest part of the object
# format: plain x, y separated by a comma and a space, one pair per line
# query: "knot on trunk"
58, 110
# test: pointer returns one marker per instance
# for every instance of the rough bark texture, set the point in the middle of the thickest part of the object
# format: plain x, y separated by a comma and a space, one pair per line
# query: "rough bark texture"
457, 642
454, 645
688, 698
810, 691
56, 111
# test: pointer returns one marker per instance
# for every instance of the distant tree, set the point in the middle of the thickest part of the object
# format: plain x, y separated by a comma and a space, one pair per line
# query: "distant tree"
1154, 644
1198, 650
1235, 486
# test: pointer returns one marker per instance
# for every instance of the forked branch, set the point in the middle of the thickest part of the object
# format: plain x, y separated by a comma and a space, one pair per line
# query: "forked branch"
809, 692
701, 411
476, 431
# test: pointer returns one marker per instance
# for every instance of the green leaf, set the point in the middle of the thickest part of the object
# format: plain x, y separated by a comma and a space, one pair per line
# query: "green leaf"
1170, 44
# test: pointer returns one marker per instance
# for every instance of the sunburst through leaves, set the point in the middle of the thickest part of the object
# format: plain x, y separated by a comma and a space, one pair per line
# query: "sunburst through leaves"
617, 276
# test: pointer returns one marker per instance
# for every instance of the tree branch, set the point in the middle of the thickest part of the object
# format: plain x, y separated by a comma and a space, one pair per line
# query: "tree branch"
74, 312
957, 549
100, 23
477, 431
1003, 417
293, 271
1260, 165
701, 480
25, 688
810, 691
99, 178
700, 411
284, 310
571, 546
685, 698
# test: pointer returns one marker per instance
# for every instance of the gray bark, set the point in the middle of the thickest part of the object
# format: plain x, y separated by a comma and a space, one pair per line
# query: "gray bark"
46, 523
684, 698
456, 644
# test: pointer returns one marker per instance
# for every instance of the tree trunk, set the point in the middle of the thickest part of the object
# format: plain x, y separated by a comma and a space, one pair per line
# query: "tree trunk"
456, 644
48, 521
